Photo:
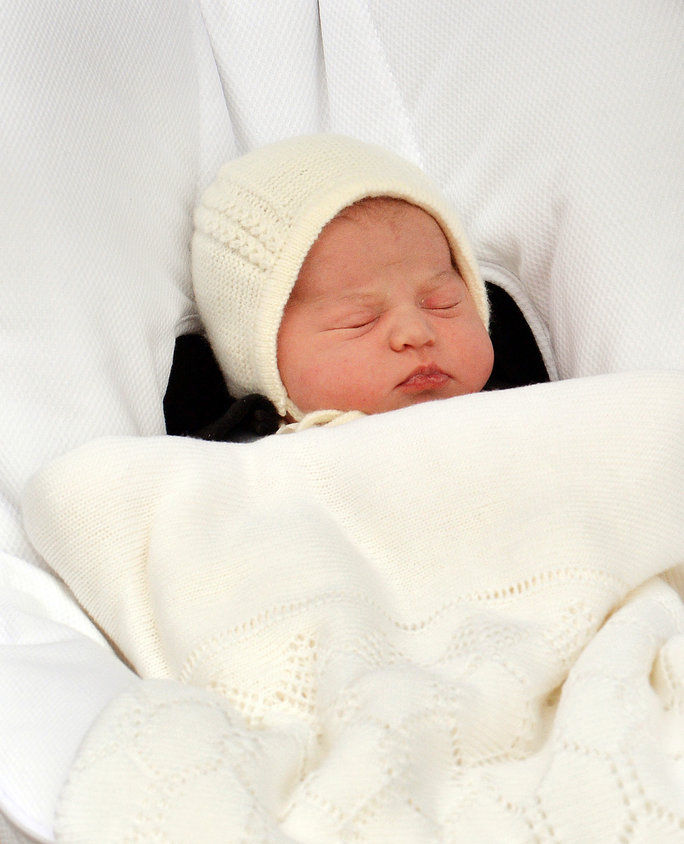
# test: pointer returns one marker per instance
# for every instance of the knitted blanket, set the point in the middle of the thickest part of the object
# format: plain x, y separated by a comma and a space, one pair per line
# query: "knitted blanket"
460, 621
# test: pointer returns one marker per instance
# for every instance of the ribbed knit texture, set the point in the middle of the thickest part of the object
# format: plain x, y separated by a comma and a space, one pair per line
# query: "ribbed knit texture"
406, 633
256, 224
555, 130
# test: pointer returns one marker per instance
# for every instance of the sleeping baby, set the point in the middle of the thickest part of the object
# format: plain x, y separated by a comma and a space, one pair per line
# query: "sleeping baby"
439, 626
334, 279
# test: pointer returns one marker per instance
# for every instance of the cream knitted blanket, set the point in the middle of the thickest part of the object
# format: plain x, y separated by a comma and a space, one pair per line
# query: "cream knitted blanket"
462, 621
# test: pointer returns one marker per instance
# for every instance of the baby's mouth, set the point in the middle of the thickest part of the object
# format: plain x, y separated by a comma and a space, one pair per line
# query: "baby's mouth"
424, 378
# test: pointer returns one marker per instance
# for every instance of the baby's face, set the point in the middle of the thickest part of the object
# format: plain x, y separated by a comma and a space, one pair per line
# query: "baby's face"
379, 318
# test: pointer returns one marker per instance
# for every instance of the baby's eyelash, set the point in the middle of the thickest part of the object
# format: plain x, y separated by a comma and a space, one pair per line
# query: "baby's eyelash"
361, 324
448, 307
352, 325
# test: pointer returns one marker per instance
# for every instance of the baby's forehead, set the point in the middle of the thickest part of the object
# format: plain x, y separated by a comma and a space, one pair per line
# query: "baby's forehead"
374, 215
377, 215
346, 260
380, 213
374, 208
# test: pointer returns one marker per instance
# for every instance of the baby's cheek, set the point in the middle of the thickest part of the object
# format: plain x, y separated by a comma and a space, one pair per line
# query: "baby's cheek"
318, 385
483, 363
472, 354
345, 381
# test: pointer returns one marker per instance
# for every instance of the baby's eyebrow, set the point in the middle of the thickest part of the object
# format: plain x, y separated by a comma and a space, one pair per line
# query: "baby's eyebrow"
342, 298
450, 274
357, 296
447, 278
439, 279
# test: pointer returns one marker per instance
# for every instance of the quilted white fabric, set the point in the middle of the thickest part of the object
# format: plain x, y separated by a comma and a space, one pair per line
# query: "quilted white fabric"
447, 637
555, 132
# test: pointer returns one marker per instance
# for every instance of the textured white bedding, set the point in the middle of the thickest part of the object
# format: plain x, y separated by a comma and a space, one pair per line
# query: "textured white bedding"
440, 624
554, 130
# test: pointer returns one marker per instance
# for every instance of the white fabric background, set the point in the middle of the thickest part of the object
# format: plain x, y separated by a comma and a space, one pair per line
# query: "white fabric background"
555, 129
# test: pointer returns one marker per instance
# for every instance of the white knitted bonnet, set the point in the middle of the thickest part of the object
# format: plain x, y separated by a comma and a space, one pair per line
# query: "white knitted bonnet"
258, 220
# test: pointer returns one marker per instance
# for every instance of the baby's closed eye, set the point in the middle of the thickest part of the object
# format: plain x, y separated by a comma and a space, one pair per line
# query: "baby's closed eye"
444, 305
353, 321
444, 299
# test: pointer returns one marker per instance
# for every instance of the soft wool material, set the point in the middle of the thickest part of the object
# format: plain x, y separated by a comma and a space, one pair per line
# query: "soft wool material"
553, 128
259, 219
459, 634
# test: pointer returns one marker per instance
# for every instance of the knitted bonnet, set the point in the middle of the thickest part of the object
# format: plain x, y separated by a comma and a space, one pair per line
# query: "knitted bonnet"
258, 220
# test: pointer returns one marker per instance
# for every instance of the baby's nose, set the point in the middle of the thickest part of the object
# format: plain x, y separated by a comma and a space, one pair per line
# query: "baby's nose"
411, 328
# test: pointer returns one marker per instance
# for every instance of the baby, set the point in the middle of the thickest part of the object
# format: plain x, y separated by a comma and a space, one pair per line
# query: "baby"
332, 276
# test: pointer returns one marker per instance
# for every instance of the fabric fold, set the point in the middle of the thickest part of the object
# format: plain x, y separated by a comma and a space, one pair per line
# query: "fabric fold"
432, 620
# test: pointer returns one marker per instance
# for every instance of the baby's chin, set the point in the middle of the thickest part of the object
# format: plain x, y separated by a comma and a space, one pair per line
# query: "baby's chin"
423, 398
451, 390
397, 402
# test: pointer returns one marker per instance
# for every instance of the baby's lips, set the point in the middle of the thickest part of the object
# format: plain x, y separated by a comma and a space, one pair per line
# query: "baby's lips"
425, 377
